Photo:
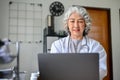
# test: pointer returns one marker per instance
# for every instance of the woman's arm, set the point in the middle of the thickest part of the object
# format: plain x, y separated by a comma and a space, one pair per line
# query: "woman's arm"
97, 47
55, 47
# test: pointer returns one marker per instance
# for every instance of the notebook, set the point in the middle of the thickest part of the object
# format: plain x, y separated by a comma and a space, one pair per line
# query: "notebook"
69, 66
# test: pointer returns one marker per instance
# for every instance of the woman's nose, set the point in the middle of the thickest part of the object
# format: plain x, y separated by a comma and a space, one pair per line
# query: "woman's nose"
76, 24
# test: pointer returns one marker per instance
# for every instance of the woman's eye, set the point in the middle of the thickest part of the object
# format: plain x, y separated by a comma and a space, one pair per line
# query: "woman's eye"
72, 21
81, 21
78, 21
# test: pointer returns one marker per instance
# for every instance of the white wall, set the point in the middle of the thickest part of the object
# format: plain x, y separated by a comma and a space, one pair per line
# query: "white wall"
28, 52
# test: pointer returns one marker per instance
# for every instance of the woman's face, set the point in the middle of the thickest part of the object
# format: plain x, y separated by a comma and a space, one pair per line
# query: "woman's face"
76, 25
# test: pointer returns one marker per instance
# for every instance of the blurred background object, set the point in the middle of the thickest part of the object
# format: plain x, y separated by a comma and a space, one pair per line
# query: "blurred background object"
8, 52
5, 54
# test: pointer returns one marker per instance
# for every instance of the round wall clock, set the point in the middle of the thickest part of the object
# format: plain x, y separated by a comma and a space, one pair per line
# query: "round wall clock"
56, 8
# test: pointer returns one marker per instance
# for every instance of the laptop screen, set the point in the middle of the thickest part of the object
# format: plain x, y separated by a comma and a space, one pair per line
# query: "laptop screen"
69, 66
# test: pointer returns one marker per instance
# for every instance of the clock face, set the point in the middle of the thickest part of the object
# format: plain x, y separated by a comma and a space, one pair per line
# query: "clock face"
56, 8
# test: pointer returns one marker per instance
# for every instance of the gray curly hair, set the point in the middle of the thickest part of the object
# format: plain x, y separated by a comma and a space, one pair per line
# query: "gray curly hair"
82, 11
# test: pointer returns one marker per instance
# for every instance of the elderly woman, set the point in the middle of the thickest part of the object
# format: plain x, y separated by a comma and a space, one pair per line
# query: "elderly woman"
77, 23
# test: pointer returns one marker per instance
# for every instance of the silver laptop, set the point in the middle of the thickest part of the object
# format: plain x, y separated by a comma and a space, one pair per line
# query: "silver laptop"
69, 66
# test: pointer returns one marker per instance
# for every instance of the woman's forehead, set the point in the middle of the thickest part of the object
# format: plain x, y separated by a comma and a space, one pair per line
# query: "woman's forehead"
75, 15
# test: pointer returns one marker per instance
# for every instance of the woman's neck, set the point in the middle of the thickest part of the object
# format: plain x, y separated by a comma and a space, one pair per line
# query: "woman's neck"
77, 37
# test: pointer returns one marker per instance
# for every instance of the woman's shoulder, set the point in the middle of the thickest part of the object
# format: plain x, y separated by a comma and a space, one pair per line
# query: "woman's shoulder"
92, 41
63, 39
94, 44
60, 43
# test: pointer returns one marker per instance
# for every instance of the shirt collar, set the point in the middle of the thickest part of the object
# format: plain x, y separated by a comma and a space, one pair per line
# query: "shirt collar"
83, 41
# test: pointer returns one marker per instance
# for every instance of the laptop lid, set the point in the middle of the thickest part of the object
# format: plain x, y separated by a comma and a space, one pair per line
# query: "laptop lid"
69, 66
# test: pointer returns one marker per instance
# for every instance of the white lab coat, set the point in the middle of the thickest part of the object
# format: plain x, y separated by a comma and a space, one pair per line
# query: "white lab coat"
65, 45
